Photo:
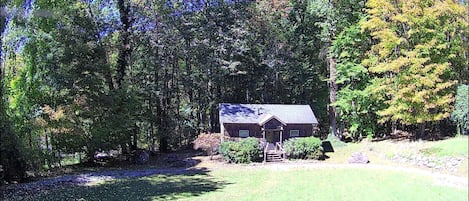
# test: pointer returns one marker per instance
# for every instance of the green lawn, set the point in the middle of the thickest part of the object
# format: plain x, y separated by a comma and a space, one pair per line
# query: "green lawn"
230, 183
458, 146
265, 184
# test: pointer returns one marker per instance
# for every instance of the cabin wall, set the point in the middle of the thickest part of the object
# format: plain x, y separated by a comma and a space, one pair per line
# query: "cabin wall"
305, 130
232, 130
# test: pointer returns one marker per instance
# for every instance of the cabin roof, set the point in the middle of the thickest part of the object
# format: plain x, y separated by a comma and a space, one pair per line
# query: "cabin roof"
258, 113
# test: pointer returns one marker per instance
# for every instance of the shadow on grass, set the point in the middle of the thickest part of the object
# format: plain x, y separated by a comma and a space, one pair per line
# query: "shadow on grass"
401, 135
166, 186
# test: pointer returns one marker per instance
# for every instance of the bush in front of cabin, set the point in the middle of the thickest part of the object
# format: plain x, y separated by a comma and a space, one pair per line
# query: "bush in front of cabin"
208, 142
303, 148
243, 151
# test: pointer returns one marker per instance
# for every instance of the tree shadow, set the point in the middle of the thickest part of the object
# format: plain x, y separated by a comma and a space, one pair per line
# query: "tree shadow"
239, 110
166, 186
397, 136
401, 135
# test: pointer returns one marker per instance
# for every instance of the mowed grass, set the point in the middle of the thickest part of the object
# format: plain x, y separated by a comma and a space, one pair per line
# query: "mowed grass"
259, 183
330, 184
234, 182
458, 146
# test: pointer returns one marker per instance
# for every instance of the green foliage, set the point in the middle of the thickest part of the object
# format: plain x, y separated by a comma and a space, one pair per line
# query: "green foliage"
304, 148
460, 115
354, 103
114, 86
90, 75
412, 61
243, 151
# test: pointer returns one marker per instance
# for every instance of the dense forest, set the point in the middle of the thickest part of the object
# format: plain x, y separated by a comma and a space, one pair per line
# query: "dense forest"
95, 75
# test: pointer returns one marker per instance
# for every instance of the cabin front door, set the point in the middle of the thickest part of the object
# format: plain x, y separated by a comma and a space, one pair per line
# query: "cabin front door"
272, 136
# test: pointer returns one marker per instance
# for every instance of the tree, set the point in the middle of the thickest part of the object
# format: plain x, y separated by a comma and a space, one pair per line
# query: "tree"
460, 115
11, 163
356, 108
334, 16
413, 60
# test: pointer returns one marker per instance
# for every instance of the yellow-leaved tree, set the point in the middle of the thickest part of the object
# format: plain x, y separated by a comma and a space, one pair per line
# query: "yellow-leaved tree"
417, 58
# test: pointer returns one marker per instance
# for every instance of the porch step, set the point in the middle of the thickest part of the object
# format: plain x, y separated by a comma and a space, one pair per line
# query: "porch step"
274, 157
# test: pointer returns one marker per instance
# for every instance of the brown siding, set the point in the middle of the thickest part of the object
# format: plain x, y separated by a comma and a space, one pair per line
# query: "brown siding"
306, 130
232, 130
273, 124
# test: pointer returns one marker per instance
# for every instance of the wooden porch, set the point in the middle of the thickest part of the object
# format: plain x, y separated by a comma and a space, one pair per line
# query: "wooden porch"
274, 152
272, 134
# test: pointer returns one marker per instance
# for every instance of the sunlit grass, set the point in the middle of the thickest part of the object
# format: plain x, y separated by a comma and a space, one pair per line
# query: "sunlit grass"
383, 152
260, 183
330, 184
458, 146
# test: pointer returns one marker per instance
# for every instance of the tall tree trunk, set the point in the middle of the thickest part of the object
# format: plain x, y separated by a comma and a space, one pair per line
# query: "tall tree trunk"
47, 150
214, 127
332, 97
135, 138
421, 131
124, 49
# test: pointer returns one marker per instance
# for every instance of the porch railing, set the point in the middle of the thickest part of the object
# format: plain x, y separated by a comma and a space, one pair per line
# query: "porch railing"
279, 147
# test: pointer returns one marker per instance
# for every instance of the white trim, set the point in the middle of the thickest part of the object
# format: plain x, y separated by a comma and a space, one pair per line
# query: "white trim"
297, 133
243, 133
269, 117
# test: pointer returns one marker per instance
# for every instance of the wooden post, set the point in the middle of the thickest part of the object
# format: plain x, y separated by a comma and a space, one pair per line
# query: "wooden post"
281, 142
265, 144
263, 132
281, 135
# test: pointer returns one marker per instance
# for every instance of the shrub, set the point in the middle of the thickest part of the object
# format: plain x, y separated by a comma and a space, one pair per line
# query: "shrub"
244, 151
304, 148
208, 143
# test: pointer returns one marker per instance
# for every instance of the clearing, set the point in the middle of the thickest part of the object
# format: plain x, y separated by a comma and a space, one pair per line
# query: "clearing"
440, 173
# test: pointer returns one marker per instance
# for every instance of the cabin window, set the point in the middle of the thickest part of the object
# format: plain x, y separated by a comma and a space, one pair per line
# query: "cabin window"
243, 133
294, 133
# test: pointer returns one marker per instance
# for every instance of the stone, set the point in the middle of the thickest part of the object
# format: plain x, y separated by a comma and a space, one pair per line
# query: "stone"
359, 158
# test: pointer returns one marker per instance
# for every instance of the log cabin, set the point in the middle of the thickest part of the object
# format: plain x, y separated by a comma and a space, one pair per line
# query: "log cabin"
272, 124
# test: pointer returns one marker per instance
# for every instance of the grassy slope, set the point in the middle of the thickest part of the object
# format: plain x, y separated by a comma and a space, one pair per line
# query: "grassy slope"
381, 152
458, 146
264, 184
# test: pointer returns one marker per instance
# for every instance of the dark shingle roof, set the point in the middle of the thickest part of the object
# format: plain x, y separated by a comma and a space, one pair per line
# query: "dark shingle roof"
255, 113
